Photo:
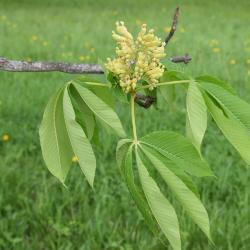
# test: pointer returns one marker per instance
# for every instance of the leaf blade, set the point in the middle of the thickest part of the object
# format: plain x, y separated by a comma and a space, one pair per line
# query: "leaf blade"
55, 144
231, 114
79, 141
162, 210
196, 119
179, 149
186, 197
101, 110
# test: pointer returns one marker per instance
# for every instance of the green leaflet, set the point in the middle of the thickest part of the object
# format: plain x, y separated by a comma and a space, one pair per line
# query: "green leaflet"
214, 80
101, 110
55, 144
186, 197
168, 91
172, 75
237, 134
102, 90
136, 192
232, 117
122, 149
84, 115
196, 119
180, 150
162, 210
79, 141
180, 173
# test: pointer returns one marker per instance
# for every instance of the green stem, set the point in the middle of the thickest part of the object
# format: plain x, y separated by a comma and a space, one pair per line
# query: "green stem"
132, 106
98, 84
107, 85
166, 83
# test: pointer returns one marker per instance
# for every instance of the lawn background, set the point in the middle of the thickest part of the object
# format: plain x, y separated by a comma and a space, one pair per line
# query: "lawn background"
36, 211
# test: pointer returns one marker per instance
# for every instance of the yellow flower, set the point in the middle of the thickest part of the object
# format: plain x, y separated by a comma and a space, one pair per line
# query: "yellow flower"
5, 138
137, 59
214, 42
3, 17
45, 43
34, 38
182, 30
74, 158
232, 61
248, 72
82, 58
216, 50
167, 29
248, 61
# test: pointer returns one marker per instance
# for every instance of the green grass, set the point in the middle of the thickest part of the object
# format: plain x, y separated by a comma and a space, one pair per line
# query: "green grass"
36, 211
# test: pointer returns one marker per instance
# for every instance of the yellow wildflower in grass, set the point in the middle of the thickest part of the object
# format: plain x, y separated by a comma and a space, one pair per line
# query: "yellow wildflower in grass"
3, 17
74, 158
214, 42
182, 30
82, 58
45, 43
248, 61
216, 50
5, 138
137, 59
232, 61
248, 72
34, 38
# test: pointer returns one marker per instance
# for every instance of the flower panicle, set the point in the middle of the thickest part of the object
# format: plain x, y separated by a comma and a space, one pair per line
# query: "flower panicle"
137, 59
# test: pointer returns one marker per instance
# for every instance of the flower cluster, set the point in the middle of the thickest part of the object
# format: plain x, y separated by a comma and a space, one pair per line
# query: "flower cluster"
136, 59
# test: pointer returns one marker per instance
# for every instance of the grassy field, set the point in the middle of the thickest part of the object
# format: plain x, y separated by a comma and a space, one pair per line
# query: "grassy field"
36, 211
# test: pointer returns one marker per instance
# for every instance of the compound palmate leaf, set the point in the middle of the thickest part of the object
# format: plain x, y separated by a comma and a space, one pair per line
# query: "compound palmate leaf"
196, 120
55, 144
232, 116
79, 141
161, 208
101, 110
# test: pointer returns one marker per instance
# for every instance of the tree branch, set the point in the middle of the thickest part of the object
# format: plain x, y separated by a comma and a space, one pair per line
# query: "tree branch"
173, 27
72, 68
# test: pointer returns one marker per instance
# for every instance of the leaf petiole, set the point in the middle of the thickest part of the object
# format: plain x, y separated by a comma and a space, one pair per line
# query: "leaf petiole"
165, 83
132, 106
